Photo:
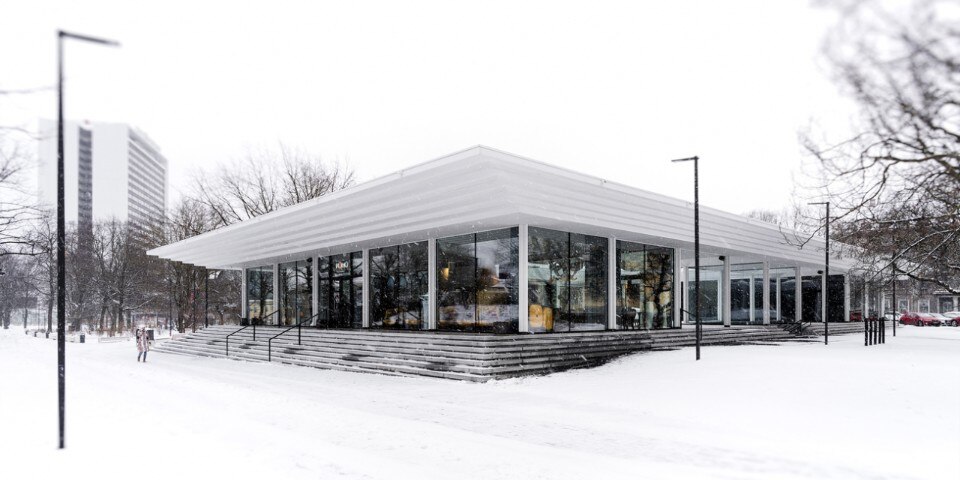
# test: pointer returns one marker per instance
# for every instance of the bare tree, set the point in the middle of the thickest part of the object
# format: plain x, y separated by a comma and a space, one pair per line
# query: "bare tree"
895, 184
18, 207
266, 180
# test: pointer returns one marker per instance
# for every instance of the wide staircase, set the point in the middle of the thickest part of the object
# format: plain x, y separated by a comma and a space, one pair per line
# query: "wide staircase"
461, 356
465, 356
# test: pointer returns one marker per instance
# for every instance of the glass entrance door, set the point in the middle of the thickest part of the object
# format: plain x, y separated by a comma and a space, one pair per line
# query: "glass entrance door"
341, 291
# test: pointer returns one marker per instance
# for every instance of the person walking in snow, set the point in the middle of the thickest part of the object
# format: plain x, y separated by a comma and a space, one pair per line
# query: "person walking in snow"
143, 344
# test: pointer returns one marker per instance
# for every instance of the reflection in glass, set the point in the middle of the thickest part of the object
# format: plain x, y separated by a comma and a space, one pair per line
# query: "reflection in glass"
477, 282
710, 291
398, 286
644, 286
260, 295
810, 299
296, 285
340, 291
740, 311
567, 281
788, 305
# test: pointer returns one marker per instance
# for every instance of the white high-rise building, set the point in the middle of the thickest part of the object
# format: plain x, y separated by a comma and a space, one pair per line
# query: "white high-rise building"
111, 170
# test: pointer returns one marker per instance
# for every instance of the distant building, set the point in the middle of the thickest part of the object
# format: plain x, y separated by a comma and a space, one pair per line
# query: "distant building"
111, 170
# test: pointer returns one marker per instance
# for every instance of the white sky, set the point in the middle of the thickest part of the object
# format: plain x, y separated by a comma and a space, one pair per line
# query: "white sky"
615, 89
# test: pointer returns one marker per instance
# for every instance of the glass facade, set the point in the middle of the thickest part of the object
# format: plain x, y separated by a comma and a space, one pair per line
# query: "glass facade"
477, 278
810, 291
340, 291
710, 294
296, 292
788, 299
644, 286
399, 287
567, 281
568, 287
260, 296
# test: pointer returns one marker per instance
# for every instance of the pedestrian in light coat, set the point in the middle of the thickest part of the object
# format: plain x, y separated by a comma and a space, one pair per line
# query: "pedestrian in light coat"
143, 344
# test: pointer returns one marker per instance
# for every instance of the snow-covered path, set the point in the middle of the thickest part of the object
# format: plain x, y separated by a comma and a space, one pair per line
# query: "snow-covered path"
793, 411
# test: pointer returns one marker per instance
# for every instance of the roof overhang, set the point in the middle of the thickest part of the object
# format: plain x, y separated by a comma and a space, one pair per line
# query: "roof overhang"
482, 189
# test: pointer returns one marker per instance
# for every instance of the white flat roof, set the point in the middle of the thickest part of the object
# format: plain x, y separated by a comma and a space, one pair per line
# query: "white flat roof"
479, 189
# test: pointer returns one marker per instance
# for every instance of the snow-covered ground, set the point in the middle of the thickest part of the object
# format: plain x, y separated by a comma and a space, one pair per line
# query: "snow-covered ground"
760, 412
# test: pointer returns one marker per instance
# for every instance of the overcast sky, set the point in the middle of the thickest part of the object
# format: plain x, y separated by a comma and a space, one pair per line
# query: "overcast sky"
615, 89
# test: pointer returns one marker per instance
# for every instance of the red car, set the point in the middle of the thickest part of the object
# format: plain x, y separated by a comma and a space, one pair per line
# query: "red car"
919, 319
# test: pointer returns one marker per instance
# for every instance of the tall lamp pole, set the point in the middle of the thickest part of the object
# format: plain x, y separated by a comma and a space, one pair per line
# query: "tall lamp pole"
826, 275
696, 244
895, 307
61, 271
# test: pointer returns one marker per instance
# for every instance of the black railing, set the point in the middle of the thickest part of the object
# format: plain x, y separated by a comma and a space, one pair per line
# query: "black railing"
253, 323
874, 331
299, 329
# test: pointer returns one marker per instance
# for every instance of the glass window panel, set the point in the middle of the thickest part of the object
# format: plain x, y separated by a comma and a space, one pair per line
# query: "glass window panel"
631, 285
477, 282
788, 299
260, 294
288, 295
567, 281
496, 282
658, 287
588, 283
304, 274
456, 277
710, 291
810, 300
547, 273
398, 286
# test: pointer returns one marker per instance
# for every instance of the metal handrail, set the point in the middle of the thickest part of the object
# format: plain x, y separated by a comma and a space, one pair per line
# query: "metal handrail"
231, 334
297, 326
254, 325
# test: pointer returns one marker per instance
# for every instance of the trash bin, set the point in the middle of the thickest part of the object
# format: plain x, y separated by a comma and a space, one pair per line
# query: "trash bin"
47, 333
83, 338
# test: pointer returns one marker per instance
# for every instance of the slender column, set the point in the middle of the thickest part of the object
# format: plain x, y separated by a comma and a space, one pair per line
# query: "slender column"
766, 293
276, 297
366, 288
798, 294
612, 283
244, 310
846, 297
432, 283
725, 283
679, 280
315, 288
523, 280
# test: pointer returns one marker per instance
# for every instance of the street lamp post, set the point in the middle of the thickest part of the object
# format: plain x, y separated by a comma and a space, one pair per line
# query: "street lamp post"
61, 253
826, 275
696, 245
894, 300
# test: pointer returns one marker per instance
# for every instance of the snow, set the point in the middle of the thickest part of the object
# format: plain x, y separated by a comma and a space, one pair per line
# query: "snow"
794, 411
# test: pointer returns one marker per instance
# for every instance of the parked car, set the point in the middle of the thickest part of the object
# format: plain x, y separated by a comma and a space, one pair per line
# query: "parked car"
892, 316
943, 319
920, 319
953, 318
